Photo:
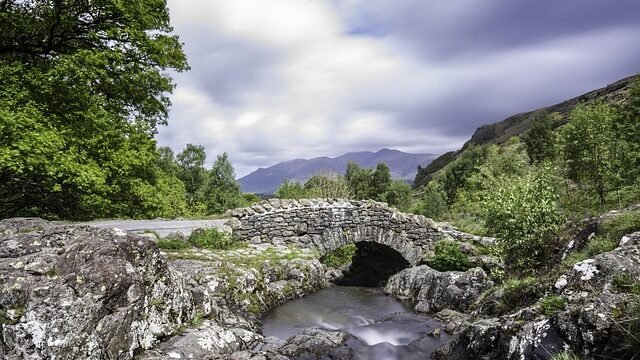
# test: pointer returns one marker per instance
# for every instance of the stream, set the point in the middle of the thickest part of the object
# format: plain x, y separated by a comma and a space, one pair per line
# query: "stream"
382, 327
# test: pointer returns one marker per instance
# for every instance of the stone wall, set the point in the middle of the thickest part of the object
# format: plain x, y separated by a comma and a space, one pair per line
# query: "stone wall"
327, 224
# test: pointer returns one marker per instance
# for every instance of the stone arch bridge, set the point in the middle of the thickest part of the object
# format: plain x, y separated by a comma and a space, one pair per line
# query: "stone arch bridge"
328, 224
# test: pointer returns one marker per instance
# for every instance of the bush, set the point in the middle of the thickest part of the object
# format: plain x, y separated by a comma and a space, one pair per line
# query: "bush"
212, 239
339, 257
523, 215
449, 257
565, 355
552, 304
513, 293
172, 244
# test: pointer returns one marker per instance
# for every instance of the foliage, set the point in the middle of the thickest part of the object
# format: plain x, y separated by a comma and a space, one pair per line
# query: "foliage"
339, 257
512, 294
291, 190
523, 215
221, 191
626, 282
172, 244
359, 180
589, 150
552, 304
192, 172
380, 182
458, 172
565, 355
539, 140
449, 257
399, 195
213, 239
327, 185
432, 202
84, 87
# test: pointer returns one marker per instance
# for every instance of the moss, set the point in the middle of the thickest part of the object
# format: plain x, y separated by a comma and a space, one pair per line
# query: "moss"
551, 305
340, 256
6, 319
156, 302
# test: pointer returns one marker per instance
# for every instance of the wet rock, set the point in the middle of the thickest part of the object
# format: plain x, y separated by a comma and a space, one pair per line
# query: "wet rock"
432, 290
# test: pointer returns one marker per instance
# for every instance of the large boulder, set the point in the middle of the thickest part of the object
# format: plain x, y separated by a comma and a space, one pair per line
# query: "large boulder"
76, 292
433, 291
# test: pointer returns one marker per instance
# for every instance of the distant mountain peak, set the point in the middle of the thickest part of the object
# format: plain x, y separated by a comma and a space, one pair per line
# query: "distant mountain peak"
403, 166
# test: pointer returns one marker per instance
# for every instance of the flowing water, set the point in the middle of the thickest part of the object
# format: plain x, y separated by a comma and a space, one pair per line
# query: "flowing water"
383, 328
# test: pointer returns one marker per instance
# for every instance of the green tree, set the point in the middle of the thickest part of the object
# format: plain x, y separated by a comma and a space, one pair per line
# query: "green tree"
327, 185
359, 180
222, 191
460, 170
539, 140
627, 132
432, 202
192, 171
523, 214
380, 182
589, 149
94, 77
399, 195
291, 190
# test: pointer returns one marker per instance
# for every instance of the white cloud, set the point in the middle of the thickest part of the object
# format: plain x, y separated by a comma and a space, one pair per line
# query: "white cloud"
282, 79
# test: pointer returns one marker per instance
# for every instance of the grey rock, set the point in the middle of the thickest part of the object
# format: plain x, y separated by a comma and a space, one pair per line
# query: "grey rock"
433, 291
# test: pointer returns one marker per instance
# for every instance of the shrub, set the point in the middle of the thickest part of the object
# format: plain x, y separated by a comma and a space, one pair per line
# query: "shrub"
172, 244
513, 293
339, 257
449, 257
551, 305
212, 239
523, 215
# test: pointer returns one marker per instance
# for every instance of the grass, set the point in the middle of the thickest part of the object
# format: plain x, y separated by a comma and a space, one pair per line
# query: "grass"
512, 294
565, 355
172, 244
607, 238
626, 283
551, 305
339, 257
213, 239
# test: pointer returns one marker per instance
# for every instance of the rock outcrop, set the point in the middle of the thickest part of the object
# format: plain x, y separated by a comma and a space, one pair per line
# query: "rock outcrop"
83, 293
432, 291
585, 324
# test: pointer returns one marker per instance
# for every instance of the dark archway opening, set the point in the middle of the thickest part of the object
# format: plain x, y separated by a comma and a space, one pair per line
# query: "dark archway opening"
372, 265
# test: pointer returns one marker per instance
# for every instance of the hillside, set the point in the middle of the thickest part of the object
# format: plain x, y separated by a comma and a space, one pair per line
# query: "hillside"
500, 131
403, 166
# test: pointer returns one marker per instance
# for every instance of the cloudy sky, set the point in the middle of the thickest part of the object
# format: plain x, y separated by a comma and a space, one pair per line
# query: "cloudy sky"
274, 80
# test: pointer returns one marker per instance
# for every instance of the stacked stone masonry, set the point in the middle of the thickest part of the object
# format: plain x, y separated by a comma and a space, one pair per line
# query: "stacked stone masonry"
327, 224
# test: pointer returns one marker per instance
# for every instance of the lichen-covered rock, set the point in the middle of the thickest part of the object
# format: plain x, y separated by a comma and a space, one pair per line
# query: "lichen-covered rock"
82, 293
432, 290
585, 326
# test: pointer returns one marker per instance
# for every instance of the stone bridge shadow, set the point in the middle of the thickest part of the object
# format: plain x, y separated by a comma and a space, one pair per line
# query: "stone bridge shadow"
387, 240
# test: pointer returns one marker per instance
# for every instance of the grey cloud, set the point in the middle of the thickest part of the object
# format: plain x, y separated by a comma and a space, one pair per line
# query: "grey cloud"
442, 30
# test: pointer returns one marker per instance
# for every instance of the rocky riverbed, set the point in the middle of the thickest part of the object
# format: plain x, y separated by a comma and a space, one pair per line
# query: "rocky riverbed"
78, 292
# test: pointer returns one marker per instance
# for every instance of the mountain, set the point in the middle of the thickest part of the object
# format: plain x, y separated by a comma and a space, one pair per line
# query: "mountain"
500, 131
266, 180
